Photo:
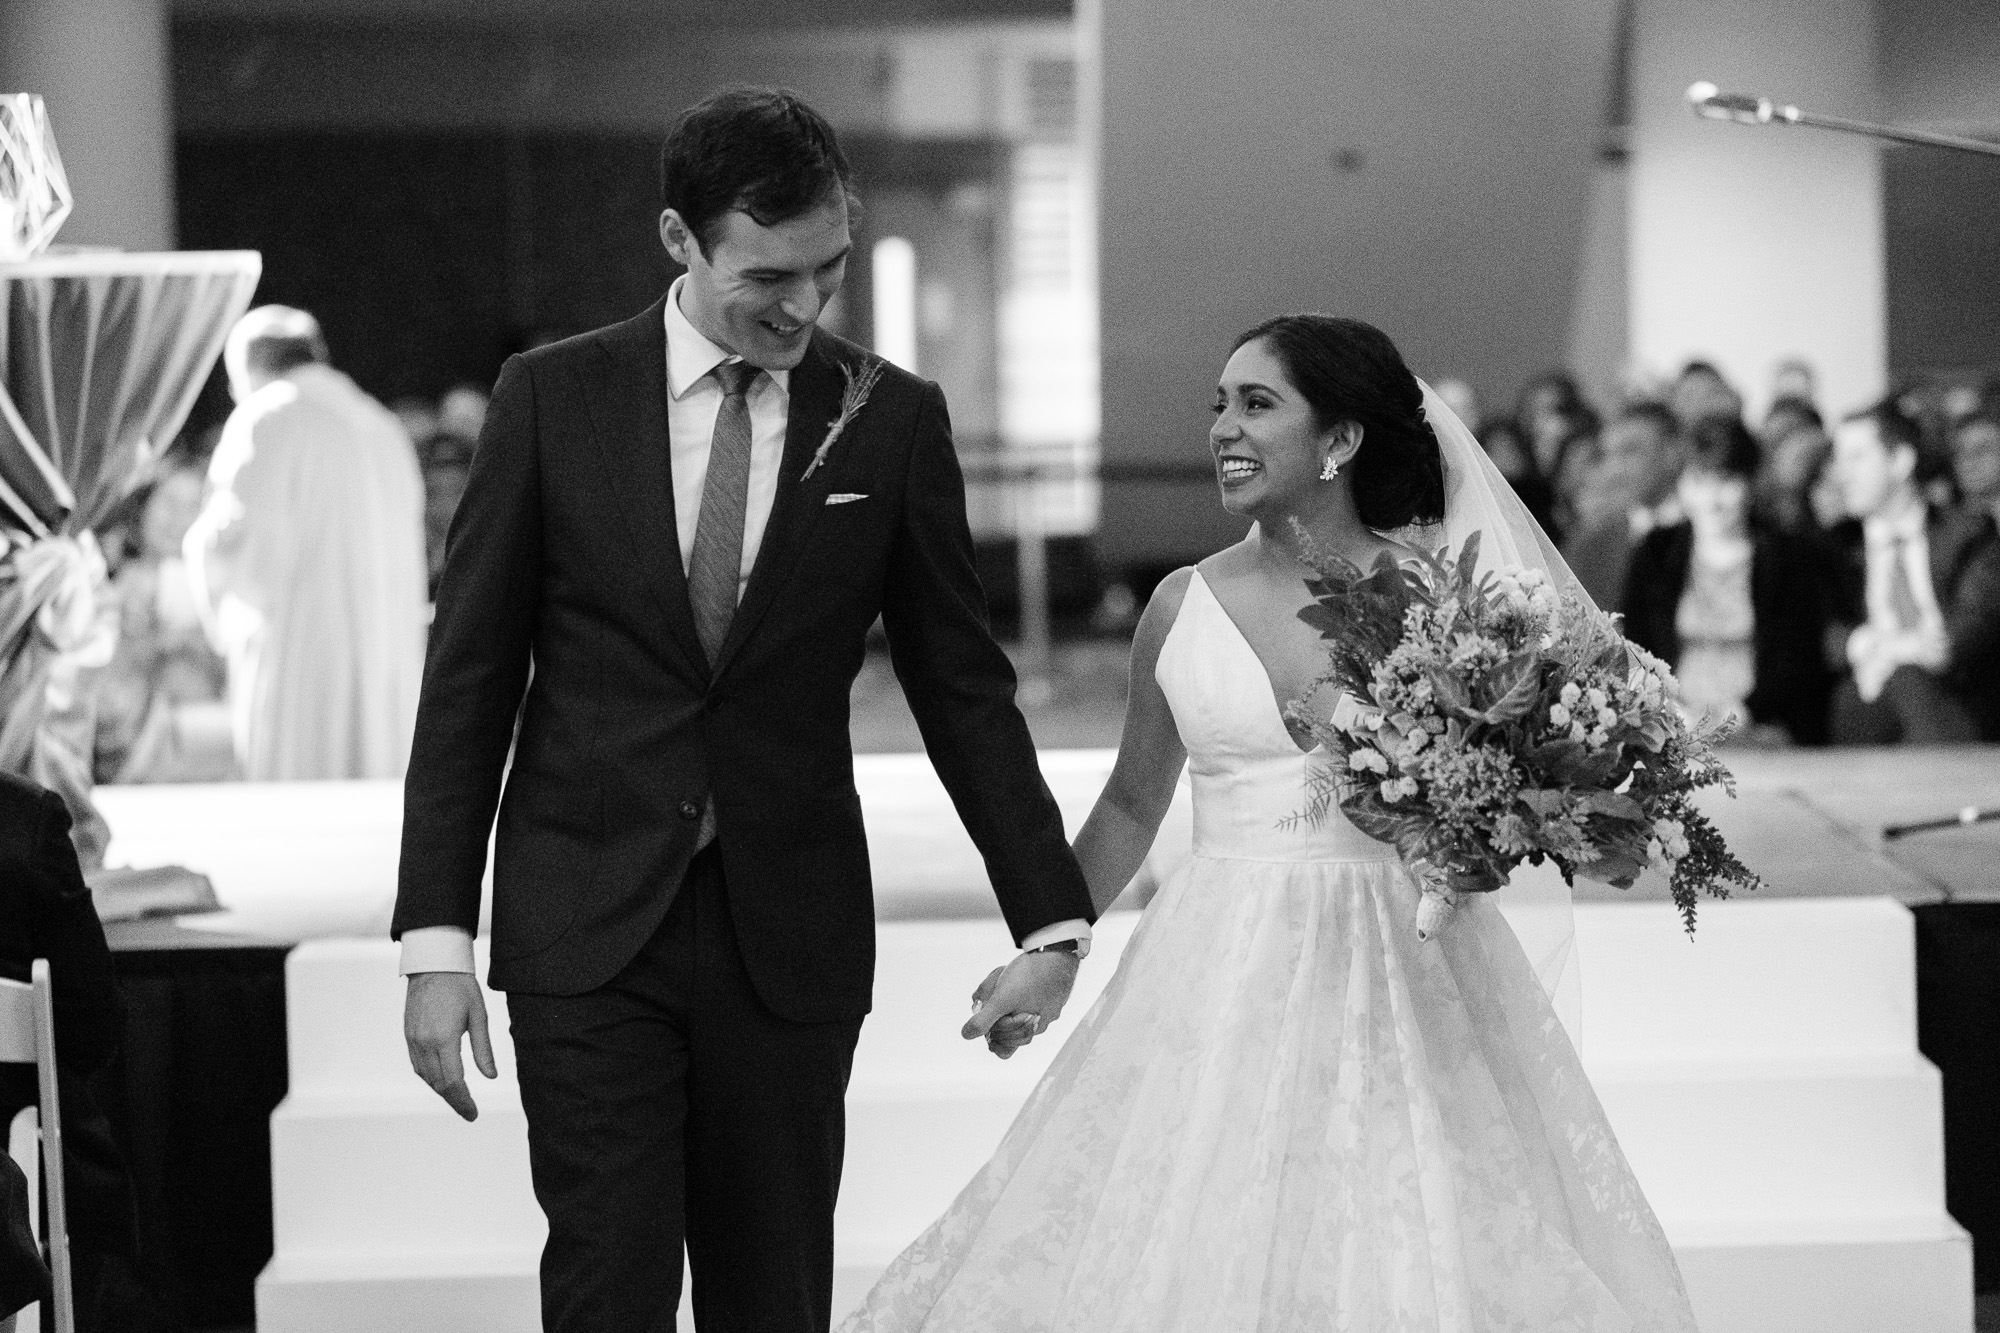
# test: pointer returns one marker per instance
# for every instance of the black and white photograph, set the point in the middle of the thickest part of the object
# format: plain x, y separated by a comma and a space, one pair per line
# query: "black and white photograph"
999, 666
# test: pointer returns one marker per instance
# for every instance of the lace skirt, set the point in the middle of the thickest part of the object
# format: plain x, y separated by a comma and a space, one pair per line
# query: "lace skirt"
1287, 1113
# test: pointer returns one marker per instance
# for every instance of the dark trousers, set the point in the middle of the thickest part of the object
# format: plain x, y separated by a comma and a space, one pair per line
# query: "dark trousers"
670, 1108
1914, 708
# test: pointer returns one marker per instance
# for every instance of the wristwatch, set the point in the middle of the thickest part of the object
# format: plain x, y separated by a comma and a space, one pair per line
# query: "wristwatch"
1072, 947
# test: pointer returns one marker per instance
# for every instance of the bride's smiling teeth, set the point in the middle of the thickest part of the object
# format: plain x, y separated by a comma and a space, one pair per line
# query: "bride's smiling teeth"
1235, 469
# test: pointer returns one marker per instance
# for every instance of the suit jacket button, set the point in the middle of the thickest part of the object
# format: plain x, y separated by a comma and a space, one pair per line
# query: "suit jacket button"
689, 810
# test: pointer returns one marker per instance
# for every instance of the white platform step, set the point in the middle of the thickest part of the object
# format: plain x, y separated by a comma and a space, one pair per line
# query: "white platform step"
1891, 1275
434, 1290
1763, 1080
1792, 977
315, 860
1910, 1278
1751, 1144
398, 1171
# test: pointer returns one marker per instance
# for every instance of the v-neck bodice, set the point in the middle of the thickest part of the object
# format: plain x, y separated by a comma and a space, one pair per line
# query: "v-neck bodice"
1249, 776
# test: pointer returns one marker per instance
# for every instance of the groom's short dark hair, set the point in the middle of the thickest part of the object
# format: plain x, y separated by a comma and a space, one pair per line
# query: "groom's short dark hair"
762, 151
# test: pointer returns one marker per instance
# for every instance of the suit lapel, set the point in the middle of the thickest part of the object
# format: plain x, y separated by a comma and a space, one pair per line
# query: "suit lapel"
816, 387
627, 401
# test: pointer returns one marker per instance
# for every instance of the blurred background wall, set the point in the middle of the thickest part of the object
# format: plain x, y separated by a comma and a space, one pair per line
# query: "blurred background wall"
1940, 68
1082, 202
103, 68
1750, 246
1424, 166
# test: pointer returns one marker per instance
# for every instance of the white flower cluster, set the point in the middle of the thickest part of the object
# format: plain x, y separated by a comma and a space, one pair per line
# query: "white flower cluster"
1587, 712
1528, 590
1367, 760
1650, 679
1668, 844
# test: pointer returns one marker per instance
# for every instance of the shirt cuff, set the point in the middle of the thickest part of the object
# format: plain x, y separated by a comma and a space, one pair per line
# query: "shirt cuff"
437, 949
1076, 929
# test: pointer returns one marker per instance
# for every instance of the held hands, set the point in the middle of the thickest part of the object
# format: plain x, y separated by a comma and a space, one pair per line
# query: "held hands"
439, 1011
1019, 1000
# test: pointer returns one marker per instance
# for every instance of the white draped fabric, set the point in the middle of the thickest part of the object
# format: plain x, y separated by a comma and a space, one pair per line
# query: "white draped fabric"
101, 357
309, 565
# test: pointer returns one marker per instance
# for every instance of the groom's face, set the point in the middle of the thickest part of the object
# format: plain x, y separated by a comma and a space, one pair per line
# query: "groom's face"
757, 291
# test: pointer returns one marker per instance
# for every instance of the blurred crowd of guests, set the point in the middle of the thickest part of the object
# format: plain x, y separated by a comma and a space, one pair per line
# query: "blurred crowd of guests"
272, 578
1825, 579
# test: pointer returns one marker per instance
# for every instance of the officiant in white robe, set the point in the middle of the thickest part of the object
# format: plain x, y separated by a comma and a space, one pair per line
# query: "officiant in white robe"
308, 561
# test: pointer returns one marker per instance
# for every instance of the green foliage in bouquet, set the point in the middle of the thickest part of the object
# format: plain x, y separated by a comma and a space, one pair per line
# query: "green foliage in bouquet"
1485, 721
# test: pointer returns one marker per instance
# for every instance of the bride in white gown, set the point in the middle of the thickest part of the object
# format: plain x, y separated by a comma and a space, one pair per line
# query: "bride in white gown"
1287, 1112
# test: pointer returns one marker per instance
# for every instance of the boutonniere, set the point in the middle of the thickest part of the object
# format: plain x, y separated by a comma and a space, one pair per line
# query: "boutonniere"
860, 383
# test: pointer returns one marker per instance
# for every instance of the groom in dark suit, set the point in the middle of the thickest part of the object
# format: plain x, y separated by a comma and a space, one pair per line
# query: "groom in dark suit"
675, 537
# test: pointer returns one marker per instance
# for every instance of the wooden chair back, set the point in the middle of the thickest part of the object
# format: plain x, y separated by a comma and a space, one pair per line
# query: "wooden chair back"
28, 1036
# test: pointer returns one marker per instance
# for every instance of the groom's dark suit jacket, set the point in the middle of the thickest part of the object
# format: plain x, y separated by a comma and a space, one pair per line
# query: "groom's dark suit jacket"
564, 554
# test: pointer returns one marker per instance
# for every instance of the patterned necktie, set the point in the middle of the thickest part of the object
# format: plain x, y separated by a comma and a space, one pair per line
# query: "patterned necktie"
1903, 608
715, 569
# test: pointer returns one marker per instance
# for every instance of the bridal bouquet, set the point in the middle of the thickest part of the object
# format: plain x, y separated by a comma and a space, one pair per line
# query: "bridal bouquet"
1486, 721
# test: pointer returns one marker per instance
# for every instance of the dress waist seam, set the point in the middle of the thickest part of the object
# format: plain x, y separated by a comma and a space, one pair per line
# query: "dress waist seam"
1391, 859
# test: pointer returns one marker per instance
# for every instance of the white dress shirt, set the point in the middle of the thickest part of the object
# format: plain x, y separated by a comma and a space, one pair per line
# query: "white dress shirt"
694, 397
1877, 648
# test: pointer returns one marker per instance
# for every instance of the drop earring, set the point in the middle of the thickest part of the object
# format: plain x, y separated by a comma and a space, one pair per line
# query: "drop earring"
1330, 470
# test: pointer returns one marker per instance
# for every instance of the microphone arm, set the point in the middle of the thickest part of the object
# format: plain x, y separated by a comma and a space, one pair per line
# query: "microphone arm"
1711, 103
1965, 818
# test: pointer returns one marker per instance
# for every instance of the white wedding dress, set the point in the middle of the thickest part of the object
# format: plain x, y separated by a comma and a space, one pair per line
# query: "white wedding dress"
1286, 1113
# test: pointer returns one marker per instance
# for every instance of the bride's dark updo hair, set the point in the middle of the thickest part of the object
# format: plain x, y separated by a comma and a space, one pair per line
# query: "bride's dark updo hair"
1350, 371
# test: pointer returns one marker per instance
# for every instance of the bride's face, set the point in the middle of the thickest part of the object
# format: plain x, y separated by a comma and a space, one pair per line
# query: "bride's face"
1268, 447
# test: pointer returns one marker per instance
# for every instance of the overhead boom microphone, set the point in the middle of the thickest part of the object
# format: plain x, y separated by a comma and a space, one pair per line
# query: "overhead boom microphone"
1965, 818
1711, 103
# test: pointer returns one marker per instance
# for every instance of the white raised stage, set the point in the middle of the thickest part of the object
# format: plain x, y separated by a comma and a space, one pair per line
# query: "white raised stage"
1764, 1079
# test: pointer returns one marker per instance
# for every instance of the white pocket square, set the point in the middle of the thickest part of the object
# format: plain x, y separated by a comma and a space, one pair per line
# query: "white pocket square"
844, 497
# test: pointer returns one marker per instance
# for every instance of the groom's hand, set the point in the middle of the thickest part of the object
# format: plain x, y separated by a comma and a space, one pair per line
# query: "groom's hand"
439, 1011
1019, 1000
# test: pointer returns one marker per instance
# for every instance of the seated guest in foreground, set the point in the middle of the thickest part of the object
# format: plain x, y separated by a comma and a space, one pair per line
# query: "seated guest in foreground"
308, 562
46, 912
1921, 585
1630, 493
1735, 605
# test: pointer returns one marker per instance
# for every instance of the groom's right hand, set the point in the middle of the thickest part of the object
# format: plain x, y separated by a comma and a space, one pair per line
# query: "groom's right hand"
439, 1011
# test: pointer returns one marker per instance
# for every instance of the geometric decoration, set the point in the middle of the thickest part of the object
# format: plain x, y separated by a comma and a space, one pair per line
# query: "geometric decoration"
101, 356
34, 192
